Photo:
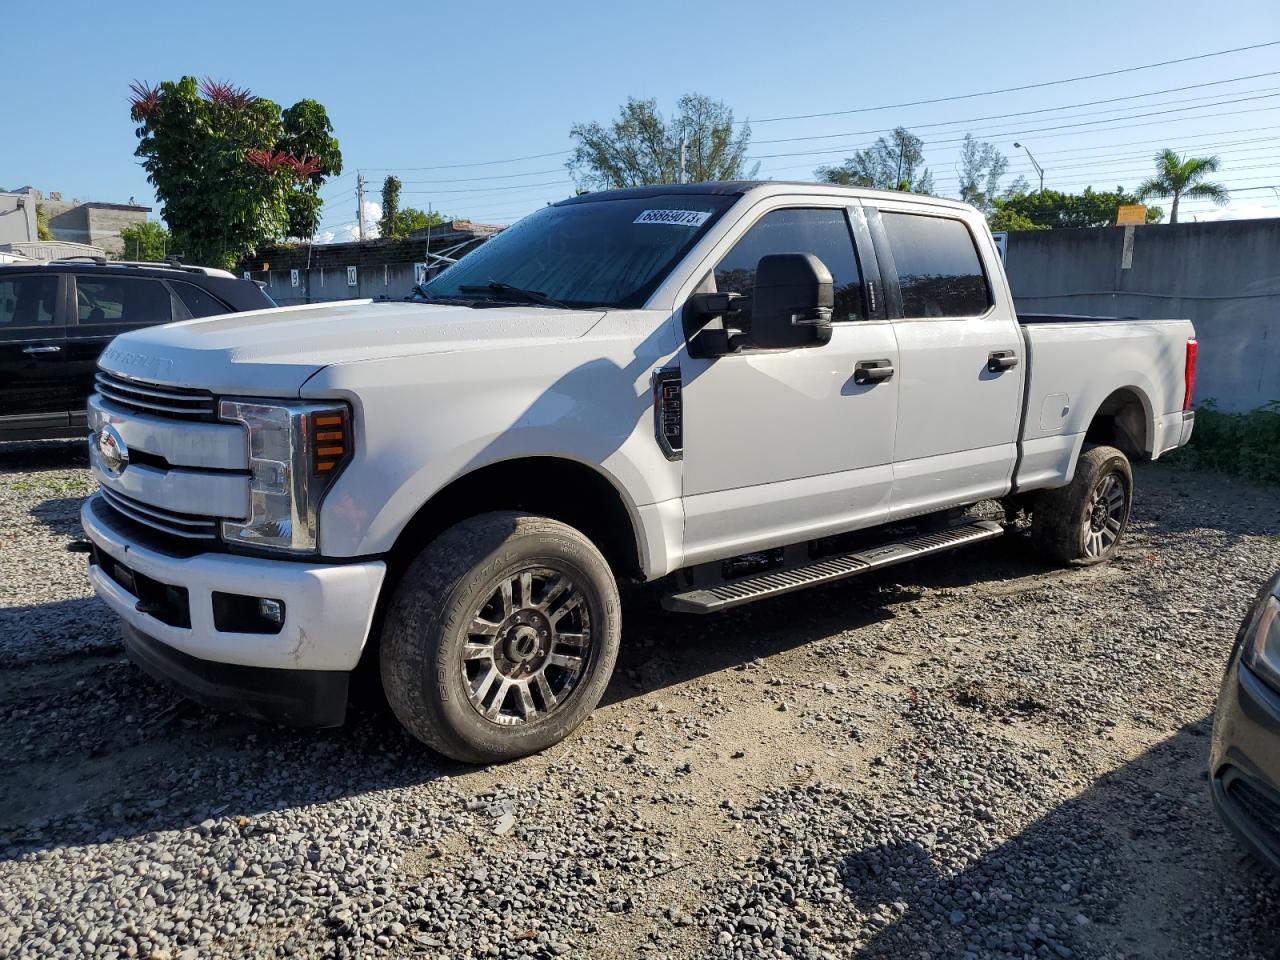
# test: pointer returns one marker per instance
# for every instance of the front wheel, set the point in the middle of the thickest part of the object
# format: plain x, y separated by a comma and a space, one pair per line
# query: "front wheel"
1084, 522
501, 637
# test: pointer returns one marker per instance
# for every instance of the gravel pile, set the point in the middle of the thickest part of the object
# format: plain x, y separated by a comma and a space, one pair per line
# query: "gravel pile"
977, 756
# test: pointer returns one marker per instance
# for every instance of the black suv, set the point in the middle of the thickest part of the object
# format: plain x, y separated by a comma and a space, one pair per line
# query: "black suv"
56, 317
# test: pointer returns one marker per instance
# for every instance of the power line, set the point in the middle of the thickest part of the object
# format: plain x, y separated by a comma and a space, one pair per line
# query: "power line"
478, 163
1022, 113
498, 176
1025, 86
1185, 139
1021, 133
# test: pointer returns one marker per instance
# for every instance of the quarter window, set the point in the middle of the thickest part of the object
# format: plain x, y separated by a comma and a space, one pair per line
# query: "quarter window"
939, 270
28, 301
200, 302
824, 232
122, 300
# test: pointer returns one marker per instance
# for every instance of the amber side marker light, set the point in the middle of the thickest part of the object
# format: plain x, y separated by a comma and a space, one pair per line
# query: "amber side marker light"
330, 440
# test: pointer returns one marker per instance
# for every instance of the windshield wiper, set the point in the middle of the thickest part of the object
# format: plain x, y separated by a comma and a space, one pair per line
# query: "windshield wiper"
529, 296
428, 297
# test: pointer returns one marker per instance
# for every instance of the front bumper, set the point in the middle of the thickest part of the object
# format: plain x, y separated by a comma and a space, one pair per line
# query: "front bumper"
1245, 762
300, 698
328, 607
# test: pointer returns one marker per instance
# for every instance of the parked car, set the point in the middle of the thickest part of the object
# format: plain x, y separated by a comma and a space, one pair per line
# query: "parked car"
745, 388
57, 316
1244, 764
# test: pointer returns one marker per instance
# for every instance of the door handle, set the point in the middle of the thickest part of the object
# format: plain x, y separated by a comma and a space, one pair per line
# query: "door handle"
1000, 360
872, 371
44, 348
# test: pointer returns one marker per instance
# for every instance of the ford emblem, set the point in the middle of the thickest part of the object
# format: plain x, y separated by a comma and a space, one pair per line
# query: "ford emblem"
112, 450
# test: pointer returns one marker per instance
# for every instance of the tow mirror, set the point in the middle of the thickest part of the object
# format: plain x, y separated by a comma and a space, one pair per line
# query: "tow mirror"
791, 303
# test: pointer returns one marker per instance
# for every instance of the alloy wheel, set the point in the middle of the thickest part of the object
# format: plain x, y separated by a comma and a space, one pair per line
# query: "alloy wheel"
527, 646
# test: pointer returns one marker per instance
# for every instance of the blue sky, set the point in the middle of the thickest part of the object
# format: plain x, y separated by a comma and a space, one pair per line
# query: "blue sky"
441, 85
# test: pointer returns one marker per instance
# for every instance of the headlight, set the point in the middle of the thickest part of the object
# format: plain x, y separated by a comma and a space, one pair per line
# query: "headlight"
1262, 647
295, 451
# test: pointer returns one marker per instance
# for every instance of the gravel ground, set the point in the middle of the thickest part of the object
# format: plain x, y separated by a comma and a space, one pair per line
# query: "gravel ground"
973, 756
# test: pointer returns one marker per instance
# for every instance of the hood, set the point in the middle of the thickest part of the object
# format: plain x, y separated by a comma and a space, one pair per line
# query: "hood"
273, 352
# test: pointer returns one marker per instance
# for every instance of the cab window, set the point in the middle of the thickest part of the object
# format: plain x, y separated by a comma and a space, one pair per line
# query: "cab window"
821, 231
939, 270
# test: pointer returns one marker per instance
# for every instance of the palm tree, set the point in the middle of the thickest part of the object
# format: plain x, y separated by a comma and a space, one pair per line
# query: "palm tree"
1178, 178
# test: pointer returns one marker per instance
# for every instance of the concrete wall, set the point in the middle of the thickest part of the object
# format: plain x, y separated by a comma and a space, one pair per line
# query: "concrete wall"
17, 217
97, 224
1224, 276
320, 284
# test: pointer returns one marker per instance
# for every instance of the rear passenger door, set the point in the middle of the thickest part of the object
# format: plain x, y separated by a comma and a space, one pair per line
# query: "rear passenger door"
783, 446
106, 306
34, 389
957, 416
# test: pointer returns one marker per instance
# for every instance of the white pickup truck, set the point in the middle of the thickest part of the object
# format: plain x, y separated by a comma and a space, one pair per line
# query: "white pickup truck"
743, 388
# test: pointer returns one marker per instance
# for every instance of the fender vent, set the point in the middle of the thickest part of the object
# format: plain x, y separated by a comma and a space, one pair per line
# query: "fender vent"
668, 412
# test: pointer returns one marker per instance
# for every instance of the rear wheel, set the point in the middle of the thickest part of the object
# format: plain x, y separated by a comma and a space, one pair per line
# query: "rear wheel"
1084, 522
501, 637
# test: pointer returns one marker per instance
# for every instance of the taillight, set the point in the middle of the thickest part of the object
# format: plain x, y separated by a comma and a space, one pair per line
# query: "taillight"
330, 439
1193, 347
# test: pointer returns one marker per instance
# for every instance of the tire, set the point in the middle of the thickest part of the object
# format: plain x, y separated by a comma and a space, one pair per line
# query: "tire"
1084, 522
451, 603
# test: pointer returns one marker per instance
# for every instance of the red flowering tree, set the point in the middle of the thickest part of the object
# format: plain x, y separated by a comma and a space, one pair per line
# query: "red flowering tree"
231, 171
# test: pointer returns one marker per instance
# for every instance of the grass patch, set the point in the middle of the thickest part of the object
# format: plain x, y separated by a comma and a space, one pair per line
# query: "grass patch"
1241, 444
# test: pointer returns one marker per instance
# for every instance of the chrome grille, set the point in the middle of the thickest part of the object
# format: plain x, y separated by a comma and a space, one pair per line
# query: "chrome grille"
184, 525
154, 398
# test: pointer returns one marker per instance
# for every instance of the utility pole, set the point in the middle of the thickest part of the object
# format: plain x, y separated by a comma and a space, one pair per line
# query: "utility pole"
1039, 169
683, 153
428, 257
360, 203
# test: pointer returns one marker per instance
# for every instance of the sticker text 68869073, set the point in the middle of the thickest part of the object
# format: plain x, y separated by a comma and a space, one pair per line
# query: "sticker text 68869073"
679, 218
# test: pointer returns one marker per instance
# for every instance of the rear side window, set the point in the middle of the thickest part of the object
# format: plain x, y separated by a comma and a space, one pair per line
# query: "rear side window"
939, 270
28, 301
200, 302
122, 300
824, 232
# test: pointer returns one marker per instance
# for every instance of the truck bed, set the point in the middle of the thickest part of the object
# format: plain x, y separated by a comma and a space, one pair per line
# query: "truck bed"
1079, 366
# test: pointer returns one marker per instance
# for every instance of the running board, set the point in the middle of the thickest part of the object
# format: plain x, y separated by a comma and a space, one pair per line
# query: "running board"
731, 593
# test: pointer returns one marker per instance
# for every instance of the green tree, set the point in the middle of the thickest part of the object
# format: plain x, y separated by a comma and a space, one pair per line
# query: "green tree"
389, 225
982, 167
1052, 209
1180, 177
893, 163
411, 219
307, 133
1006, 218
42, 223
218, 159
641, 147
146, 241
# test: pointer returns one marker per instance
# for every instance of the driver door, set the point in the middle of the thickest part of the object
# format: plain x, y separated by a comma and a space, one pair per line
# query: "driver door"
783, 446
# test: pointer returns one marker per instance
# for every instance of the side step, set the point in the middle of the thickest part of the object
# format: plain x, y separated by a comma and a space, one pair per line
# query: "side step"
732, 593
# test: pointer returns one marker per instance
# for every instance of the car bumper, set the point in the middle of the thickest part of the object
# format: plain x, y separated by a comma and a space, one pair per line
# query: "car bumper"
328, 608
300, 698
1245, 764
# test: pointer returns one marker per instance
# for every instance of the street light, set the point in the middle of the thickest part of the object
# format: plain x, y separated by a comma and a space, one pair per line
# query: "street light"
1039, 169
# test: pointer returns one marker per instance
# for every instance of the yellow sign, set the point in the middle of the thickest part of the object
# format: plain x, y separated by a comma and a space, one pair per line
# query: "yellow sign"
1131, 213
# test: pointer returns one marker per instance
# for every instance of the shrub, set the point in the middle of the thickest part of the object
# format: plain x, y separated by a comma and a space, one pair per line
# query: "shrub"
1242, 444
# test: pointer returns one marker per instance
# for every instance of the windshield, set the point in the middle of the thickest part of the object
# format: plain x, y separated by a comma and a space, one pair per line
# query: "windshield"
608, 253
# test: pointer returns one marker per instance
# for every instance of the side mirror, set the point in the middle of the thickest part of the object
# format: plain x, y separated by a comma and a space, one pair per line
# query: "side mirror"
792, 302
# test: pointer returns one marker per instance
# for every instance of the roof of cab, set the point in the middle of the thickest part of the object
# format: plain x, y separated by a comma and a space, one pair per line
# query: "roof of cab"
738, 188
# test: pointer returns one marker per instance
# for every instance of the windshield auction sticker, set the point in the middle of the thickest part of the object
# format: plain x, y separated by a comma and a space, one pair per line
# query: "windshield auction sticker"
679, 218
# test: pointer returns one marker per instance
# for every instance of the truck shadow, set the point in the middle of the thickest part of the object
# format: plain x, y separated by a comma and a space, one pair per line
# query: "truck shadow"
1133, 866
43, 455
92, 750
